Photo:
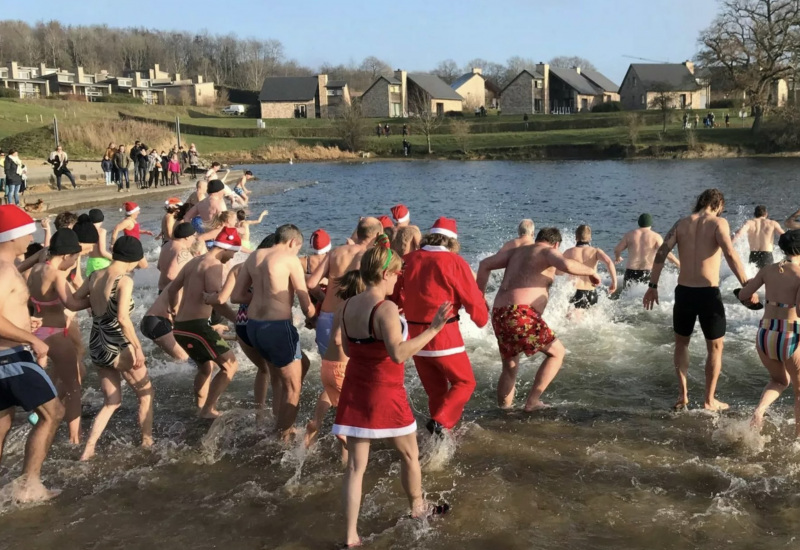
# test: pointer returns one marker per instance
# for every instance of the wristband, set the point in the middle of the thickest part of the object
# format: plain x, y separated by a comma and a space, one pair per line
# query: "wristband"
654, 286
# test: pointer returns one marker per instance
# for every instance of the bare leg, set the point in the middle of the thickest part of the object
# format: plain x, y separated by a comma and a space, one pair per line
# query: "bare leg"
713, 368
140, 382
172, 347
67, 377
313, 426
353, 479
202, 382
39, 441
792, 365
547, 372
262, 377
778, 381
292, 380
227, 368
6, 419
410, 472
681, 360
276, 384
111, 384
506, 386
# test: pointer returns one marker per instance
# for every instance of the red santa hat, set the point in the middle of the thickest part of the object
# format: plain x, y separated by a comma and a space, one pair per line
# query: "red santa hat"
400, 213
14, 223
173, 202
131, 208
320, 242
386, 222
445, 226
228, 239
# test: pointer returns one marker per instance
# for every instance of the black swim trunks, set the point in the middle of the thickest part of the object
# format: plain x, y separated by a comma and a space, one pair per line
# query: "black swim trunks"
705, 303
154, 327
23, 383
635, 276
584, 299
761, 258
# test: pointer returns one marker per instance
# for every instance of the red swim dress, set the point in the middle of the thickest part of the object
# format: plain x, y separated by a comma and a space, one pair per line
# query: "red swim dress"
133, 232
373, 403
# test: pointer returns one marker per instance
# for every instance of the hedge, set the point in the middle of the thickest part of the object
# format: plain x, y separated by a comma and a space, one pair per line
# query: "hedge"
9, 92
609, 107
119, 98
722, 104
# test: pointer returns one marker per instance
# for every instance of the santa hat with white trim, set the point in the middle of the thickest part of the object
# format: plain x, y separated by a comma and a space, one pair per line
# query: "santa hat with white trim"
445, 226
320, 242
14, 223
131, 208
400, 213
173, 202
228, 239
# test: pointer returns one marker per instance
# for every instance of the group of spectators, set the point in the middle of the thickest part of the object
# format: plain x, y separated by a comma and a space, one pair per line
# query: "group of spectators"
150, 167
13, 177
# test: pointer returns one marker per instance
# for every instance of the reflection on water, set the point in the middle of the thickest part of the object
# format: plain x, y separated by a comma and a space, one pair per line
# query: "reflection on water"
608, 467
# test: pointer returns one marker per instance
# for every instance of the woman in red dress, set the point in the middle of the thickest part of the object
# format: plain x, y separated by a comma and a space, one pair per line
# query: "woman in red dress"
373, 403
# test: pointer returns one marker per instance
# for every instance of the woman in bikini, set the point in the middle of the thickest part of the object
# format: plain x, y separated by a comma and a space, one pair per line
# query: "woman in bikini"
113, 345
50, 294
779, 330
373, 403
243, 227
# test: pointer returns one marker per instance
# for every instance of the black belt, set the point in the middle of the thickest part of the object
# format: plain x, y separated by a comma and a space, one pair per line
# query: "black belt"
450, 320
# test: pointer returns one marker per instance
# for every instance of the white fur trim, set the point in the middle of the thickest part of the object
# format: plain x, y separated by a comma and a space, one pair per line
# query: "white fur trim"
404, 219
17, 232
132, 212
445, 232
431, 248
367, 433
321, 251
226, 246
440, 352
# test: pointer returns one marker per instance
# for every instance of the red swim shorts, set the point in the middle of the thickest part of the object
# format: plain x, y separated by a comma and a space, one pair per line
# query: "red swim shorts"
520, 329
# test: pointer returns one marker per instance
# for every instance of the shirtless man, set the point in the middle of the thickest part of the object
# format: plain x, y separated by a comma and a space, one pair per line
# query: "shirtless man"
174, 254
525, 231
23, 382
407, 237
585, 293
192, 329
340, 260
518, 308
275, 276
204, 212
642, 245
200, 192
702, 238
761, 234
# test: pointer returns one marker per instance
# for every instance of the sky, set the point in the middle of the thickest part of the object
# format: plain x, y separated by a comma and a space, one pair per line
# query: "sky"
417, 34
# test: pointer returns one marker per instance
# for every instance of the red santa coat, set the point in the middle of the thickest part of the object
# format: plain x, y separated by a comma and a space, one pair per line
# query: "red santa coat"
434, 275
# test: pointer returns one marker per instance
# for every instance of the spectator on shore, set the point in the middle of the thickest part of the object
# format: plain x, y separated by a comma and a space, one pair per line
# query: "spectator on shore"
13, 169
727, 120
141, 165
386, 130
379, 130
174, 171
134, 156
59, 160
121, 163
183, 157
153, 166
107, 164
2, 174
111, 150
405, 130
194, 160
164, 164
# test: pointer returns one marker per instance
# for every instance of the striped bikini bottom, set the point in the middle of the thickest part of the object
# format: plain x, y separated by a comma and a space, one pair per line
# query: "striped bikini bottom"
778, 338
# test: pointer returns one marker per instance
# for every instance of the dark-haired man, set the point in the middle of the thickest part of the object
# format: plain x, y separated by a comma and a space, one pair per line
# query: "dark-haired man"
518, 308
642, 245
203, 213
761, 234
702, 238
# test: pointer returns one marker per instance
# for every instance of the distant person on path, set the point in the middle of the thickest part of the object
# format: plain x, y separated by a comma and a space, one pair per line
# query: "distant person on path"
59, 160
697, 120
761, 233
525, 120
642, 245
111, 150
702, 239
134, 156
379, 130
142, 160
183, 157
386, 130
121, 163
685, 121
585, 292
525, 230
153, 168
405, 130
174, 171
194, 160
13, 169
727, 120
106, 165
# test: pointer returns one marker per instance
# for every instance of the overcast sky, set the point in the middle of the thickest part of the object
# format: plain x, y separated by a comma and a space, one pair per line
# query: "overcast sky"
417, 34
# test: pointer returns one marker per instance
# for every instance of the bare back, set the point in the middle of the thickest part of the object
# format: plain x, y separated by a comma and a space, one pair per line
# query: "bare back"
528, 277
761, 233
782, 285
172, 258
406, 239
516, 243
698, 239
42, 288
588, 256
14, 305
203, 274
642, 246
342, 259
271, 271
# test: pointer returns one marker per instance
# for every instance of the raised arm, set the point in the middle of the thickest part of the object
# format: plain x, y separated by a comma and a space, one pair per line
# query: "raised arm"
651, 296
259, 220
778, 229
742, 231
48, 232
791, 222
387, 319
731, 256
28, 263
487, 265
298, 280
612, 270
193, 212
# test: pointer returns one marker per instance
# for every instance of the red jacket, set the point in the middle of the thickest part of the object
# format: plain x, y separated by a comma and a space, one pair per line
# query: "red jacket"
431, 276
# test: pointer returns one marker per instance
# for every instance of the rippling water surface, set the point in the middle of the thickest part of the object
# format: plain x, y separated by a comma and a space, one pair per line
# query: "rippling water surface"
608, 467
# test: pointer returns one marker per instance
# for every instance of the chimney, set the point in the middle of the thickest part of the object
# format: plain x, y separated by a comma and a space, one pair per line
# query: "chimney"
689, 65
156, 69
199, 79
42, 69
544, 70
322, 94
402, 76
177, 77
13, 70
577, 69
477, 70
152, 74
79, 74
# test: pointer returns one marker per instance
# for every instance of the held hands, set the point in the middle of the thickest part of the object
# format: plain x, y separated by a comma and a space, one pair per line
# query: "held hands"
444, 313
40, 350
138, 359
650, 297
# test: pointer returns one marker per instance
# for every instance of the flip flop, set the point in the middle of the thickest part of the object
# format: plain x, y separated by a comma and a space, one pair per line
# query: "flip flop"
750, 306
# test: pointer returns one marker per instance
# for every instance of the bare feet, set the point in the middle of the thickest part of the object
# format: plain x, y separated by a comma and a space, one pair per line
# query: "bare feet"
681, 404
88, 453
354, 544
32, 490
716, 406
147, 442
287, 436
312, 433
757, 422
536, 406
209, 414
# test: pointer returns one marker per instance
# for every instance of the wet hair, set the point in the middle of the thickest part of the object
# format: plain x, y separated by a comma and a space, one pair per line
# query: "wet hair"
268, 242
288, 232
583, 233
525, 228
437, 239
710, 198
373, 262
65, 219
248, 173
760, 211
550, 235
350, 284
241, 215
215, 165
221, 219
32, 249
367, 228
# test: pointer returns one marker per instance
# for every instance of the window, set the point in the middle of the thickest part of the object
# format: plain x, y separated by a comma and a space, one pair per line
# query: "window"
644, 102
24, 74
28, 89
396, 110
537, 83
634, 81
335, 92
3, 73
394, 88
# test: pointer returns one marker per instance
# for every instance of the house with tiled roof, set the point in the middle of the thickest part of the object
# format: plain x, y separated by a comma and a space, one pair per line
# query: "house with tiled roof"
404, 94
691, 89
302, 97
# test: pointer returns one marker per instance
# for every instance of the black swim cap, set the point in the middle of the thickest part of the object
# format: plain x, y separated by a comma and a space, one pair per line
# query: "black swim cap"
268, 242
790, 242
64, 242
96, 215
83, 218
215, 186
183, 230
86, 231
127, 249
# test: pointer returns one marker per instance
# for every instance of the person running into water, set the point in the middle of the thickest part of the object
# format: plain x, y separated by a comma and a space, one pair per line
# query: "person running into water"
407, 237
525, 232
779, 330
243, 227
585, 291
791, 222
240, 189
193, 330
642, 245
174, 254
320, 243
23, 381
114, 347
702, 238
373, 403
761, 234
170, 219
100, 256
432, 275
204, 212
518, 308
269, 281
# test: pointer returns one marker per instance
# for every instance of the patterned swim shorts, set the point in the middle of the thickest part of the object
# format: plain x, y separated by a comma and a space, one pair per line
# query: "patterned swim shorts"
520, 329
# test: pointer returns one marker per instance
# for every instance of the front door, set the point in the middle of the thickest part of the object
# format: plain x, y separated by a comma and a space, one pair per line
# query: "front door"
439, 109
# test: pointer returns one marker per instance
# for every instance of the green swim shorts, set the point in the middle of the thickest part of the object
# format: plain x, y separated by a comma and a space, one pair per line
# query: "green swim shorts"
96, 264
201, 342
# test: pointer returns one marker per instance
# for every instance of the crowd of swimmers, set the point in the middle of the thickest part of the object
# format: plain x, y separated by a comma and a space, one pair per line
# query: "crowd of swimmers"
387, 295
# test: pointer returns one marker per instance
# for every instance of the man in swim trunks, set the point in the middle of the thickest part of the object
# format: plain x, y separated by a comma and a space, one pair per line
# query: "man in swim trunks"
340, 260
642, 245
174, 254
203, 213
518, 308
702, 238
240, 189
525, 232
193, 329
407, 237
23, 382
275, 276
585, 292
761, 234
100, 256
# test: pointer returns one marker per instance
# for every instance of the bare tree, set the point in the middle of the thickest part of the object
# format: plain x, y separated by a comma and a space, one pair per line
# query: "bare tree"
570, 61
753, 41
426, 120
350, 127
495, 72
663, 100
375, 67
459, 129
447, 70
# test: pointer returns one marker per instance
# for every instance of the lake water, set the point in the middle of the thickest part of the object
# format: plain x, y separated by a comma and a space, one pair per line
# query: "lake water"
610, 466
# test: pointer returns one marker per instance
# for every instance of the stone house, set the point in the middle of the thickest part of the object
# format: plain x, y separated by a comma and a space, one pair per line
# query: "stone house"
472, 87
189, 91
302, 97
405, 94
525, 94
644, 81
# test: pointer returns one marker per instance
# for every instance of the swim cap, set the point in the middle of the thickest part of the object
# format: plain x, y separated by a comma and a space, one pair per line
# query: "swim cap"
645, 220
83, 218
64, 242
86, 231
790, 242
127, 249
215, 186
183, 230
96, 215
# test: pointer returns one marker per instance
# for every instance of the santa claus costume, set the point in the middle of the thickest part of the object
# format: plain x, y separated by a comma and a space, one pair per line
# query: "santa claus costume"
432, 276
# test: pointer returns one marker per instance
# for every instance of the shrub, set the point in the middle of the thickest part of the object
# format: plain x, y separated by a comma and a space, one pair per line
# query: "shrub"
782, 129
119, 98
609, 107
8, 92
722, 104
